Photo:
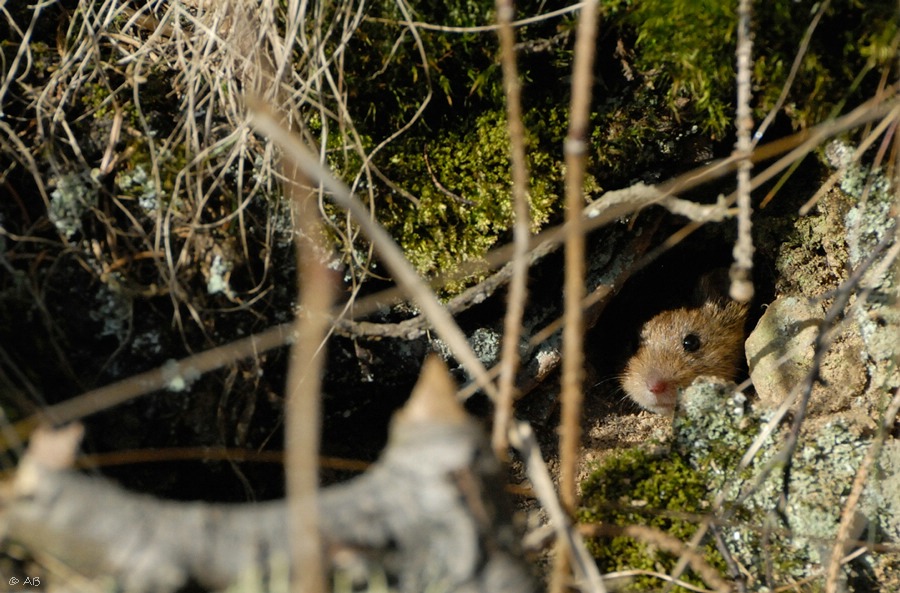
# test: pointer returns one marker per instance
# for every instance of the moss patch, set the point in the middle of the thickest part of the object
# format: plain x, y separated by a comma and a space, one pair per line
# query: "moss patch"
637, 487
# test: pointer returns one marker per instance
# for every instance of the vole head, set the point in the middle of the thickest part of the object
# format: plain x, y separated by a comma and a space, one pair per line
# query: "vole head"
678, 345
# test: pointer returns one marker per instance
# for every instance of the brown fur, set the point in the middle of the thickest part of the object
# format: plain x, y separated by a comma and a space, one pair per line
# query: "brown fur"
719, 324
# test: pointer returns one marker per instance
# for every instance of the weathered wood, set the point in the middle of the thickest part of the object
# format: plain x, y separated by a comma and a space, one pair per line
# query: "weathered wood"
432, 509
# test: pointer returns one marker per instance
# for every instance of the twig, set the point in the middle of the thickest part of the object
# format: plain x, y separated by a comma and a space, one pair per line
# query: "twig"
576, 147
522, 438
515, 308
304, 379
174, 375
741, 282
302, 424
823, 339
737, 576
885, 124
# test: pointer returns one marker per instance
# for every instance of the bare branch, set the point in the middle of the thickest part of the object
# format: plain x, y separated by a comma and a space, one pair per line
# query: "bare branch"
515, 309
741, 279
576, 147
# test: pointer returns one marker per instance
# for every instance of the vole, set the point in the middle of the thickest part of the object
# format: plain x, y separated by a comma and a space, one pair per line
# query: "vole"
705, 337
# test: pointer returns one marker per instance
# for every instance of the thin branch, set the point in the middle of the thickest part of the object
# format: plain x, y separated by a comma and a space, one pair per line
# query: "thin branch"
576, 147
741, 281
888, 124
522, 438
515, 308
315, 293
304, 380
175, 376
824, 337
795, 67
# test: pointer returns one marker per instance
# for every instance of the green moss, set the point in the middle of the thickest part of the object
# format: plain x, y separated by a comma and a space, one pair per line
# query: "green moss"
96, 97
683, 89
635, 487
462, 181
687, 47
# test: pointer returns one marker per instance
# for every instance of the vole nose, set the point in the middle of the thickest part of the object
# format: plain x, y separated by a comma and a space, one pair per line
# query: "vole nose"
658, 386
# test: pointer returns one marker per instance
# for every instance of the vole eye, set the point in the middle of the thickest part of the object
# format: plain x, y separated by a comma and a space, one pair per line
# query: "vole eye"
691, 343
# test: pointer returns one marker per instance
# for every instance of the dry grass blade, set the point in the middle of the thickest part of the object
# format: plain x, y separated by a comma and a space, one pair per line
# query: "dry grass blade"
888, 124
795, 67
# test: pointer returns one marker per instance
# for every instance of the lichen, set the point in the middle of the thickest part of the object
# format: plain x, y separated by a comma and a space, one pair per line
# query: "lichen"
878, 316
136, 182
113, 309
70, 201
177, 379
869, 221
814, 504
713, 430
486, 344
217, 280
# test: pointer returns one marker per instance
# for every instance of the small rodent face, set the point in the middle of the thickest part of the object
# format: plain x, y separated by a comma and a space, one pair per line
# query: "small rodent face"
679, 345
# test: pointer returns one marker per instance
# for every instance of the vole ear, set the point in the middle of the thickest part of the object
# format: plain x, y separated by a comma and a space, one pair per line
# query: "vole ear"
712, 287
